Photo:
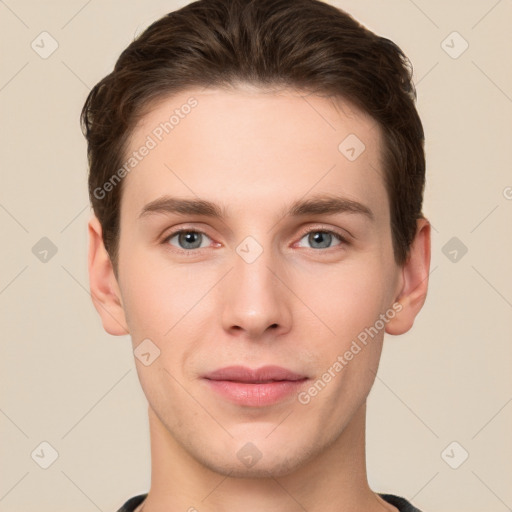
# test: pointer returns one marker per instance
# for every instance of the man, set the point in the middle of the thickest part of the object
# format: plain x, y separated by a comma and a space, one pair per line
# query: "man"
256, 175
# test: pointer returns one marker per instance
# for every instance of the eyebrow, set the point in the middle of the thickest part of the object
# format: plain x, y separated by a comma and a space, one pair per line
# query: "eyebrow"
316, 205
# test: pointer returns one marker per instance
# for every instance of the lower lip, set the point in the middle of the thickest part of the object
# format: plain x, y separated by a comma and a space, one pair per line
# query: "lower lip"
256, 395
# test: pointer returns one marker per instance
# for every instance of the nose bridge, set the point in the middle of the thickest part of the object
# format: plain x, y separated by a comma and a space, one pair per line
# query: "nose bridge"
254, 298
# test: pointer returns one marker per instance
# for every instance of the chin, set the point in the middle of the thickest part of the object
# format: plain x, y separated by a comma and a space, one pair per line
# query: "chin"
265, 463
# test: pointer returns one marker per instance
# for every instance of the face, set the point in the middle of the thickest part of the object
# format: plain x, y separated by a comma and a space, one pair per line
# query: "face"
261, 283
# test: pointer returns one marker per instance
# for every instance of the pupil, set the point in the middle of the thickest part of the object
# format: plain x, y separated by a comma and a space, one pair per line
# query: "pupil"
321, 238
190, 238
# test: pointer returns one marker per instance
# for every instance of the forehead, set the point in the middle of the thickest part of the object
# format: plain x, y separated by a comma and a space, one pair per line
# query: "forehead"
250, 148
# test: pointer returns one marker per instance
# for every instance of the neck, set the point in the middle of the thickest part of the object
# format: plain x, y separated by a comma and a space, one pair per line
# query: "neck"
333, 481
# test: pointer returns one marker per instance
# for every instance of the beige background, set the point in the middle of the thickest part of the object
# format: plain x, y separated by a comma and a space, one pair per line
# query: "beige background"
65, 381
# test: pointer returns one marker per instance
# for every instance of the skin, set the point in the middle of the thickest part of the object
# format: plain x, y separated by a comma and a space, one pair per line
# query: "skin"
254, 152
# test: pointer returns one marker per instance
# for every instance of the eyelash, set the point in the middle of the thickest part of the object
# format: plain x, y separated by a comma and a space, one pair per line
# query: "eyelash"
165, 241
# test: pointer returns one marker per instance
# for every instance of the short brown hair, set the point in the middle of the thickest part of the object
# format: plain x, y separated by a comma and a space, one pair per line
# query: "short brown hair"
304, 44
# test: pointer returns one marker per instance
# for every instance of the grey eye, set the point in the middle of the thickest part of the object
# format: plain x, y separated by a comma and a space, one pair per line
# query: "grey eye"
188, 239
319, 239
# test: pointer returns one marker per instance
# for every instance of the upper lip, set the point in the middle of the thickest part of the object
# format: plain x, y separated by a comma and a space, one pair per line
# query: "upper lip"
245, 374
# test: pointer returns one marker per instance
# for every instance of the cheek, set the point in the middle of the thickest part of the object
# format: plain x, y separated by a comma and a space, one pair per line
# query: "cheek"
157, 296
346, 298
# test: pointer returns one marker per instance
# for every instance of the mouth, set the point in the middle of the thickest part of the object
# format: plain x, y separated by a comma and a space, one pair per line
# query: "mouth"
254, 388
257, 376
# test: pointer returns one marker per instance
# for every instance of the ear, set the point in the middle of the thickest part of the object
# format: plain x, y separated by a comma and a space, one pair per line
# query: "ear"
414, 281
105, 292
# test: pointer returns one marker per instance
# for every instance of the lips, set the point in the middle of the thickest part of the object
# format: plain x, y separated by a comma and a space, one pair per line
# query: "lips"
262, 387
261, 375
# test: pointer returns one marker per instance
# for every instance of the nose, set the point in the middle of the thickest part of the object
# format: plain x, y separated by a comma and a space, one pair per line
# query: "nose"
255, 300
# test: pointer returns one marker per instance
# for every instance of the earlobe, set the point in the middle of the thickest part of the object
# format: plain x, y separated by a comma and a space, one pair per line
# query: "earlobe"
105, 292
415, 272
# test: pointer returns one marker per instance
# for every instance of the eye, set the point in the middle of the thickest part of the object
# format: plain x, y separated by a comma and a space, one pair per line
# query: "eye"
321, 238
187, 239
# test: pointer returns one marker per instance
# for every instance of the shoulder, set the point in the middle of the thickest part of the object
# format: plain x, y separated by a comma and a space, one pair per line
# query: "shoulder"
133, 503
400, 503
